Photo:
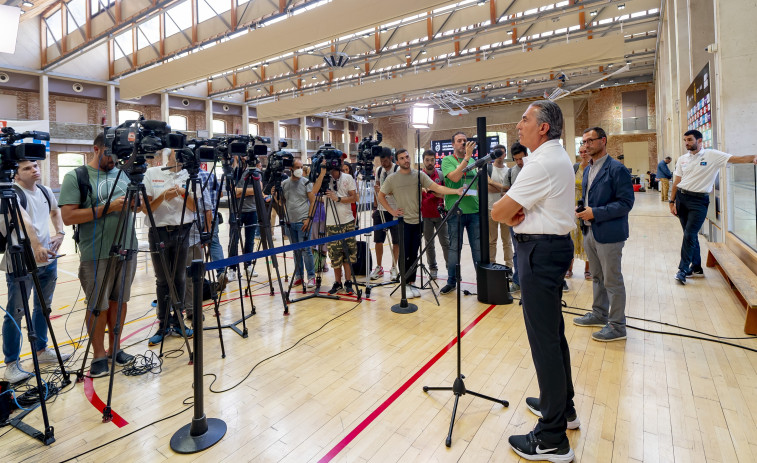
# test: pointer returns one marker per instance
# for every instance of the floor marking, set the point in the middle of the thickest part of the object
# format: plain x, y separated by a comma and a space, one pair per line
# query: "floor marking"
381, 408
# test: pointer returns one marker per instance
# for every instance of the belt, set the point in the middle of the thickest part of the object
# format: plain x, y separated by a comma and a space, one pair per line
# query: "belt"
524, 237
173, 228
693, 193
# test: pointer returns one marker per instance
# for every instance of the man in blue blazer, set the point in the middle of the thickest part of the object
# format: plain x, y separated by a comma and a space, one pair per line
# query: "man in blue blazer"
608, 198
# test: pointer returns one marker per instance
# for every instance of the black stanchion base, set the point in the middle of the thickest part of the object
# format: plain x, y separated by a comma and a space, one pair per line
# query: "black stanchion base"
183, 442
404, 307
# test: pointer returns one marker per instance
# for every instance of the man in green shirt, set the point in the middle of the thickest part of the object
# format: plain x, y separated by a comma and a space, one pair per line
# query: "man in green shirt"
452, 169
97, 230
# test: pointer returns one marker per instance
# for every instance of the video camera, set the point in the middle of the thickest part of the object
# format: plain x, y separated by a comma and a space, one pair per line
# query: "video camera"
367, 151
11, 153
141, 137
326, 157
274, 171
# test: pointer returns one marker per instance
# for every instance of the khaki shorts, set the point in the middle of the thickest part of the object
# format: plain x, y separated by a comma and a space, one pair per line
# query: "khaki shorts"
336, 248
112, 287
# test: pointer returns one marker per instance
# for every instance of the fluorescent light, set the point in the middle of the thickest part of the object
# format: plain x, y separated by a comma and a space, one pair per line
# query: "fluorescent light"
422, 115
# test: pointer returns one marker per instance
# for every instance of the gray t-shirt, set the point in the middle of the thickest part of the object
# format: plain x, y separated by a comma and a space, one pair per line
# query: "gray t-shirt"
498, 175
296, 196
512, 175
39, 213
404, 187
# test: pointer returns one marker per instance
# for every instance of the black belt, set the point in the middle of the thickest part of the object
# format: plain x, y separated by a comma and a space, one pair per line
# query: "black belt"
693, 193
174, 228
524, 237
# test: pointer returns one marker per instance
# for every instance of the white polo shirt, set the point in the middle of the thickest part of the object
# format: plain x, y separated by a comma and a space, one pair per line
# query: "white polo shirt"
698, 171
168, 212
545, 187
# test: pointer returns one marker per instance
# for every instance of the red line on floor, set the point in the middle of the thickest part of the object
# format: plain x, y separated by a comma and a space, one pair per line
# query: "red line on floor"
381, 408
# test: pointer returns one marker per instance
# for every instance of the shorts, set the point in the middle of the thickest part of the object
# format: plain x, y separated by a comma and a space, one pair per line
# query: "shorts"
379, 236
113, 286
336, 248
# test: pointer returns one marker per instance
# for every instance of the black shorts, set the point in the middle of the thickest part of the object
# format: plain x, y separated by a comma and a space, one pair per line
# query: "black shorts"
379, 236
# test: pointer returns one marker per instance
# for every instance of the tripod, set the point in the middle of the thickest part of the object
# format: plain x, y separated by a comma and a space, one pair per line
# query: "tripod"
458, 388
24, 270
123, 249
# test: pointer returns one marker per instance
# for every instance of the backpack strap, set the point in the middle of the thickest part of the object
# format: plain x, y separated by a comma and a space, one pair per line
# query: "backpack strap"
47, 197
21, 196
85, 188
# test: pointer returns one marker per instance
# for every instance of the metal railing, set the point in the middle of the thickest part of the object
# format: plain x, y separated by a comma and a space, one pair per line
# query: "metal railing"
72, 131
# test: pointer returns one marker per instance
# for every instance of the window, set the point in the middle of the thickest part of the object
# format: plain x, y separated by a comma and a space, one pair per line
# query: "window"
54, 28
177, 122
76, 14
123, 45
68, 162
282, 131
127, 115
148, 33
253, 128
178, 18
219, 126
97, 6
742, 190
207, 9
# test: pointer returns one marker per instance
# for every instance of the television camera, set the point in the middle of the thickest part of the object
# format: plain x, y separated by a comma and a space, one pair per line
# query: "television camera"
11, 152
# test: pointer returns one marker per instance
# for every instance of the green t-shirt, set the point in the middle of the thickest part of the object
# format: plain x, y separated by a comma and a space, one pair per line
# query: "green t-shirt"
103, 229
469, 204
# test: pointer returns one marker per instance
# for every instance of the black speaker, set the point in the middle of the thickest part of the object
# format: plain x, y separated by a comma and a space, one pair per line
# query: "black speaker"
5, 401
494, 284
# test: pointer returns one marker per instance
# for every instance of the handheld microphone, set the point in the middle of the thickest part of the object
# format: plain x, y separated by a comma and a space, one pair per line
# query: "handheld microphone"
489, 157
580, 206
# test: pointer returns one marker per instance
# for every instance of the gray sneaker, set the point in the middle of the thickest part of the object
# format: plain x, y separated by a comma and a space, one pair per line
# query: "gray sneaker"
609, 333
514, 287
589, 319
434, 272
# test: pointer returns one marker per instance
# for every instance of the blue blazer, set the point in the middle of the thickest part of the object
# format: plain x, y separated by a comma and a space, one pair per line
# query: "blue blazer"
611, 199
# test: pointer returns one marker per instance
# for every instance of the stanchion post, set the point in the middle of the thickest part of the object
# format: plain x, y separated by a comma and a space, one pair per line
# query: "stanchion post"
202, 432
403, 306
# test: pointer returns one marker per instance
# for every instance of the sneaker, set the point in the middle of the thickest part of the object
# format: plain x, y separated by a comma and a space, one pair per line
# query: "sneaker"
311, 283
589, 319
336, 288
446, 289
221, 282
415, 291
695, 272
348, 289
122, 358
434, 272
251, 271
297, 282
565, 287
681, 277
530, 447
48, 356
533, 405
609, 333
14, 374
394, 274
231, 275
176, 332
156, 338
514, 288
377, 272
99, 368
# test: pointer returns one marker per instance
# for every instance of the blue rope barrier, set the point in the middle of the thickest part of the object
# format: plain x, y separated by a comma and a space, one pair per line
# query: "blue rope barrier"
229, 261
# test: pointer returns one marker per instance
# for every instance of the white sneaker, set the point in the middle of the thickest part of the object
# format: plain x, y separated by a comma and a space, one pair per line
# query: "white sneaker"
393, 273
231, 274
415, 291
13, 373
251, 272
377, 272
48, 356
311, 283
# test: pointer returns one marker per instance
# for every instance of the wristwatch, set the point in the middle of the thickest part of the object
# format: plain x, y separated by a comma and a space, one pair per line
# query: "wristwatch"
339, 199
62, 233
672, 201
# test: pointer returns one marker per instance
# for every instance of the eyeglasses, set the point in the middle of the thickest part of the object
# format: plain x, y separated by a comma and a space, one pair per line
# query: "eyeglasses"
589, 140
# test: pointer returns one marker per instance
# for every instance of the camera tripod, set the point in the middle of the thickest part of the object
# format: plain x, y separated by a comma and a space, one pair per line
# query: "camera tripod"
458, 387
24, 270
124, 249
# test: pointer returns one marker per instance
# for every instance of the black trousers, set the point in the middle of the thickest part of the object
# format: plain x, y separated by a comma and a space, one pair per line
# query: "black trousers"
175, 251
412, 238
541, 267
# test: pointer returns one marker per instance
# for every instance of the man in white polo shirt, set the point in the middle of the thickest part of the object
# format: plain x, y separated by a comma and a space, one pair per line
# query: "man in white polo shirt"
692, 183
540, 206
165, 191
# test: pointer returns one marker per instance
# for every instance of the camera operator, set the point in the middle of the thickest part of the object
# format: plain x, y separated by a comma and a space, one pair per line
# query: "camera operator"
296, 190
248, 214
432, 218
452, 168
40, 208
204, 217
211, 190
339, 220
380, 215
165, 191
97, 229
403, 185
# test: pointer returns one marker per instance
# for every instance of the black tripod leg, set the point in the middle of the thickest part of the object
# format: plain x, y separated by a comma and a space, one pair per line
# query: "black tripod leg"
504, 403
448, 442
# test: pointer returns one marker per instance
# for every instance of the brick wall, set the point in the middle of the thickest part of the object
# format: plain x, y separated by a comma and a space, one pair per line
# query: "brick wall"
27, 104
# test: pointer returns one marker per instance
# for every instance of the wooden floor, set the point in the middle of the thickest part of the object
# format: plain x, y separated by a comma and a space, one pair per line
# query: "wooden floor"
650, 398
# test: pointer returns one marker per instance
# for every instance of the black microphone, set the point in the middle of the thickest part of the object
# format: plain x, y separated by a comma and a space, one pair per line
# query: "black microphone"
484, 160
580, 206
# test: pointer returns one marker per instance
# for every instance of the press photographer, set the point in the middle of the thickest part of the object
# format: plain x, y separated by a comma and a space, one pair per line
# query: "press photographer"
296, 195
339, 190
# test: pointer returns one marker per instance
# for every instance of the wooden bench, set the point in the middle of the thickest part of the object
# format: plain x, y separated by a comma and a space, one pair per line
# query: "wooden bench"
742, 280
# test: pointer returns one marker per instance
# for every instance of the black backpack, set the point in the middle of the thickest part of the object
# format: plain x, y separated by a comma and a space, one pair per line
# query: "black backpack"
23, 203
85, 189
